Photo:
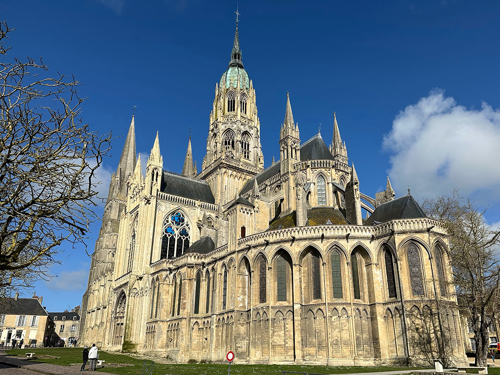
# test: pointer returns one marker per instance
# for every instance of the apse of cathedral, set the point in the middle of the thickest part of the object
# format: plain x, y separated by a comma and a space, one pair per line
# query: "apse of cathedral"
277, 265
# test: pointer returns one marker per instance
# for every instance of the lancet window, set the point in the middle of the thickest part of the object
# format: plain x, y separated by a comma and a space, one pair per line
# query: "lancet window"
224, 289
153, 295
214, 289
321, 191
197, 293
389, 271
231, 102
175, 239
316, 277
207, 302
262, 280
336, 275
281, 267
132, 248
355, 276
245, 146
243, 104
119, 319
414, 263
440, 270
228, 140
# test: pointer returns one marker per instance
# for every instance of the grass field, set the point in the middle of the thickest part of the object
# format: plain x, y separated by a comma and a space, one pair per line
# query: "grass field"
74, 355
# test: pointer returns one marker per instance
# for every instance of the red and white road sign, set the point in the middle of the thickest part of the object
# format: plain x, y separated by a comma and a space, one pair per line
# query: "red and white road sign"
230, 356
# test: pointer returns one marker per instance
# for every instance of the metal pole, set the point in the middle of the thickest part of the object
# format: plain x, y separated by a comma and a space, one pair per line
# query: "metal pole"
229, 369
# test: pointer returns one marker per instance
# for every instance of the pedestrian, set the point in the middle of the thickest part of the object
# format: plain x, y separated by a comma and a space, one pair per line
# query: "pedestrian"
21, 344
493, 354
85, 357
14, 343
93, 357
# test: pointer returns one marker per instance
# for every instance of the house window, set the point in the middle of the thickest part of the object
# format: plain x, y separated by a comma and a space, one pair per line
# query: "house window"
245, 146
417, 284
224, 290
281, 266
231, 103
389, 270
2, 320
321, 191
176, 237
355, 276
61, 328
19, 334
34, 321
336, 275
21, 321
72, 328
262, 280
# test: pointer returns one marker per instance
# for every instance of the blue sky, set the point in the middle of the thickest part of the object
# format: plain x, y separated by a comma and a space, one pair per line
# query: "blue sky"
415, 85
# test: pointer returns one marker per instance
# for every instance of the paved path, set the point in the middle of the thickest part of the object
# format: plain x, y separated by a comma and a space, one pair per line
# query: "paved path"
25, 367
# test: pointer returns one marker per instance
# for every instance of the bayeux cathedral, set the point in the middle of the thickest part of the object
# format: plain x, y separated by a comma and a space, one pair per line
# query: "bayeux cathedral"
277, 264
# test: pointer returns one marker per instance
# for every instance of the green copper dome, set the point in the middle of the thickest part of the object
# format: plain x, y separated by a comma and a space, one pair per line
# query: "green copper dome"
232, 75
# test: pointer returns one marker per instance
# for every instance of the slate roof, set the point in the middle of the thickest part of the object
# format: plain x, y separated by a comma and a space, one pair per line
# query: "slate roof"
66, 314
175, 184
23, 306
402, 208
315, 149
203, 246
243, 201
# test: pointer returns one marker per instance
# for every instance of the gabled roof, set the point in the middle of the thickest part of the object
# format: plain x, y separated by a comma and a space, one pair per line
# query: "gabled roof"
315, 149
172, 183
266, 174
243, 201
21, 306
402, 208
203, 246
67, 315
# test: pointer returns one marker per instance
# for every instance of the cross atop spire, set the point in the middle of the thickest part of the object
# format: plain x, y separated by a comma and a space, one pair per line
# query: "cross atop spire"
236, 52
237, 14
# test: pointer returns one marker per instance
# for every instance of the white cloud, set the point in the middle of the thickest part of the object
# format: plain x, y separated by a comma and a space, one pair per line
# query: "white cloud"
102, 179
115, 5
71, 281
438, 145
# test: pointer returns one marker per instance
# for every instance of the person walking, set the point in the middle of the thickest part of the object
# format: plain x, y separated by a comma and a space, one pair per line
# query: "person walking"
93, 355
492, 353
13, 343
85, 357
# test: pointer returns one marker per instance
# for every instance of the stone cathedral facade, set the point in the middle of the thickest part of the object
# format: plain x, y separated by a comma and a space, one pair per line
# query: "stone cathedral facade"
277, 264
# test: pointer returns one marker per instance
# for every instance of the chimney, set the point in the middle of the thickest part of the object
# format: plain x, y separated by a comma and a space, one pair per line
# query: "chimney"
16, 296
40, 299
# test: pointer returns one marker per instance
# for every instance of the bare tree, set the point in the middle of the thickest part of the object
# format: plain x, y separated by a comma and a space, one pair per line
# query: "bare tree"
475, 263
48, 164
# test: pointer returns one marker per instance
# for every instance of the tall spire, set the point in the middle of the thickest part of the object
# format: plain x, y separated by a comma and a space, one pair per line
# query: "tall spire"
187, 169
236, 52
336, 141
288, 115
127, 162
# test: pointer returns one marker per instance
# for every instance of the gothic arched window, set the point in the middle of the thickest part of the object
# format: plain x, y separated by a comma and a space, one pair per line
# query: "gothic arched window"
207, 302
262, 280
336, 275
132, 248
243, 104
389, 271
228, 140
224, 289
197, 293
214, 289
119, 319
414, 264
281, 273
245, 146
355, 276
321, 191
231, 103
438, 254
175, 239
315, 275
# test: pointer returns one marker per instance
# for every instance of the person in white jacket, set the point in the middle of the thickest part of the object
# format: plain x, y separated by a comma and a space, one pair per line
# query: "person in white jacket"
93, 357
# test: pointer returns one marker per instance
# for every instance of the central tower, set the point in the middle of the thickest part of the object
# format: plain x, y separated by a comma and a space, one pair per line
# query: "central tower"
234, 153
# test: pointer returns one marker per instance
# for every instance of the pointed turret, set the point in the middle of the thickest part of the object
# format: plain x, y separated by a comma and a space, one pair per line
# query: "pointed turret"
353, 199
155, 156
354, 175
336, 140
288, 114
126, 165
187, 169
137, 176
388, 188
385, 196
236, 51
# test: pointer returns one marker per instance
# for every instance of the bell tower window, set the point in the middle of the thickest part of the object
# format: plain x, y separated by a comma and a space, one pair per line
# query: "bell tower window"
229, 140
245, 146
231, 101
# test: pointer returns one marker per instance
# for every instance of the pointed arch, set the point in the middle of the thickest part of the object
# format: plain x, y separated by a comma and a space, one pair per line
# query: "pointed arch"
231, 101
228, 139
246, 140
224, 287
243, 103
415, 269
207, 300
197, 289
321, 190
440, 267
311, 262
337, 258
244, 282
390, 274
175, 235
283, 274
119, 318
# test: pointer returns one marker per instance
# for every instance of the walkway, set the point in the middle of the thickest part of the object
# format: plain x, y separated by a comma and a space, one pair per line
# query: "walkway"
19, 366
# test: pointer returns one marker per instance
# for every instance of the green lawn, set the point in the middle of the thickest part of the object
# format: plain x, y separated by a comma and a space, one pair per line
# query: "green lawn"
74, 355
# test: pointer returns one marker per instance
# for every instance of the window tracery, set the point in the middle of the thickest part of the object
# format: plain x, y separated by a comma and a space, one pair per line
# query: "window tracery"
228, 140
389, 270
415, 266
243, 104
176, 237
262, 280
245, 146
336, 275
321, 189
231, 102
438, 254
